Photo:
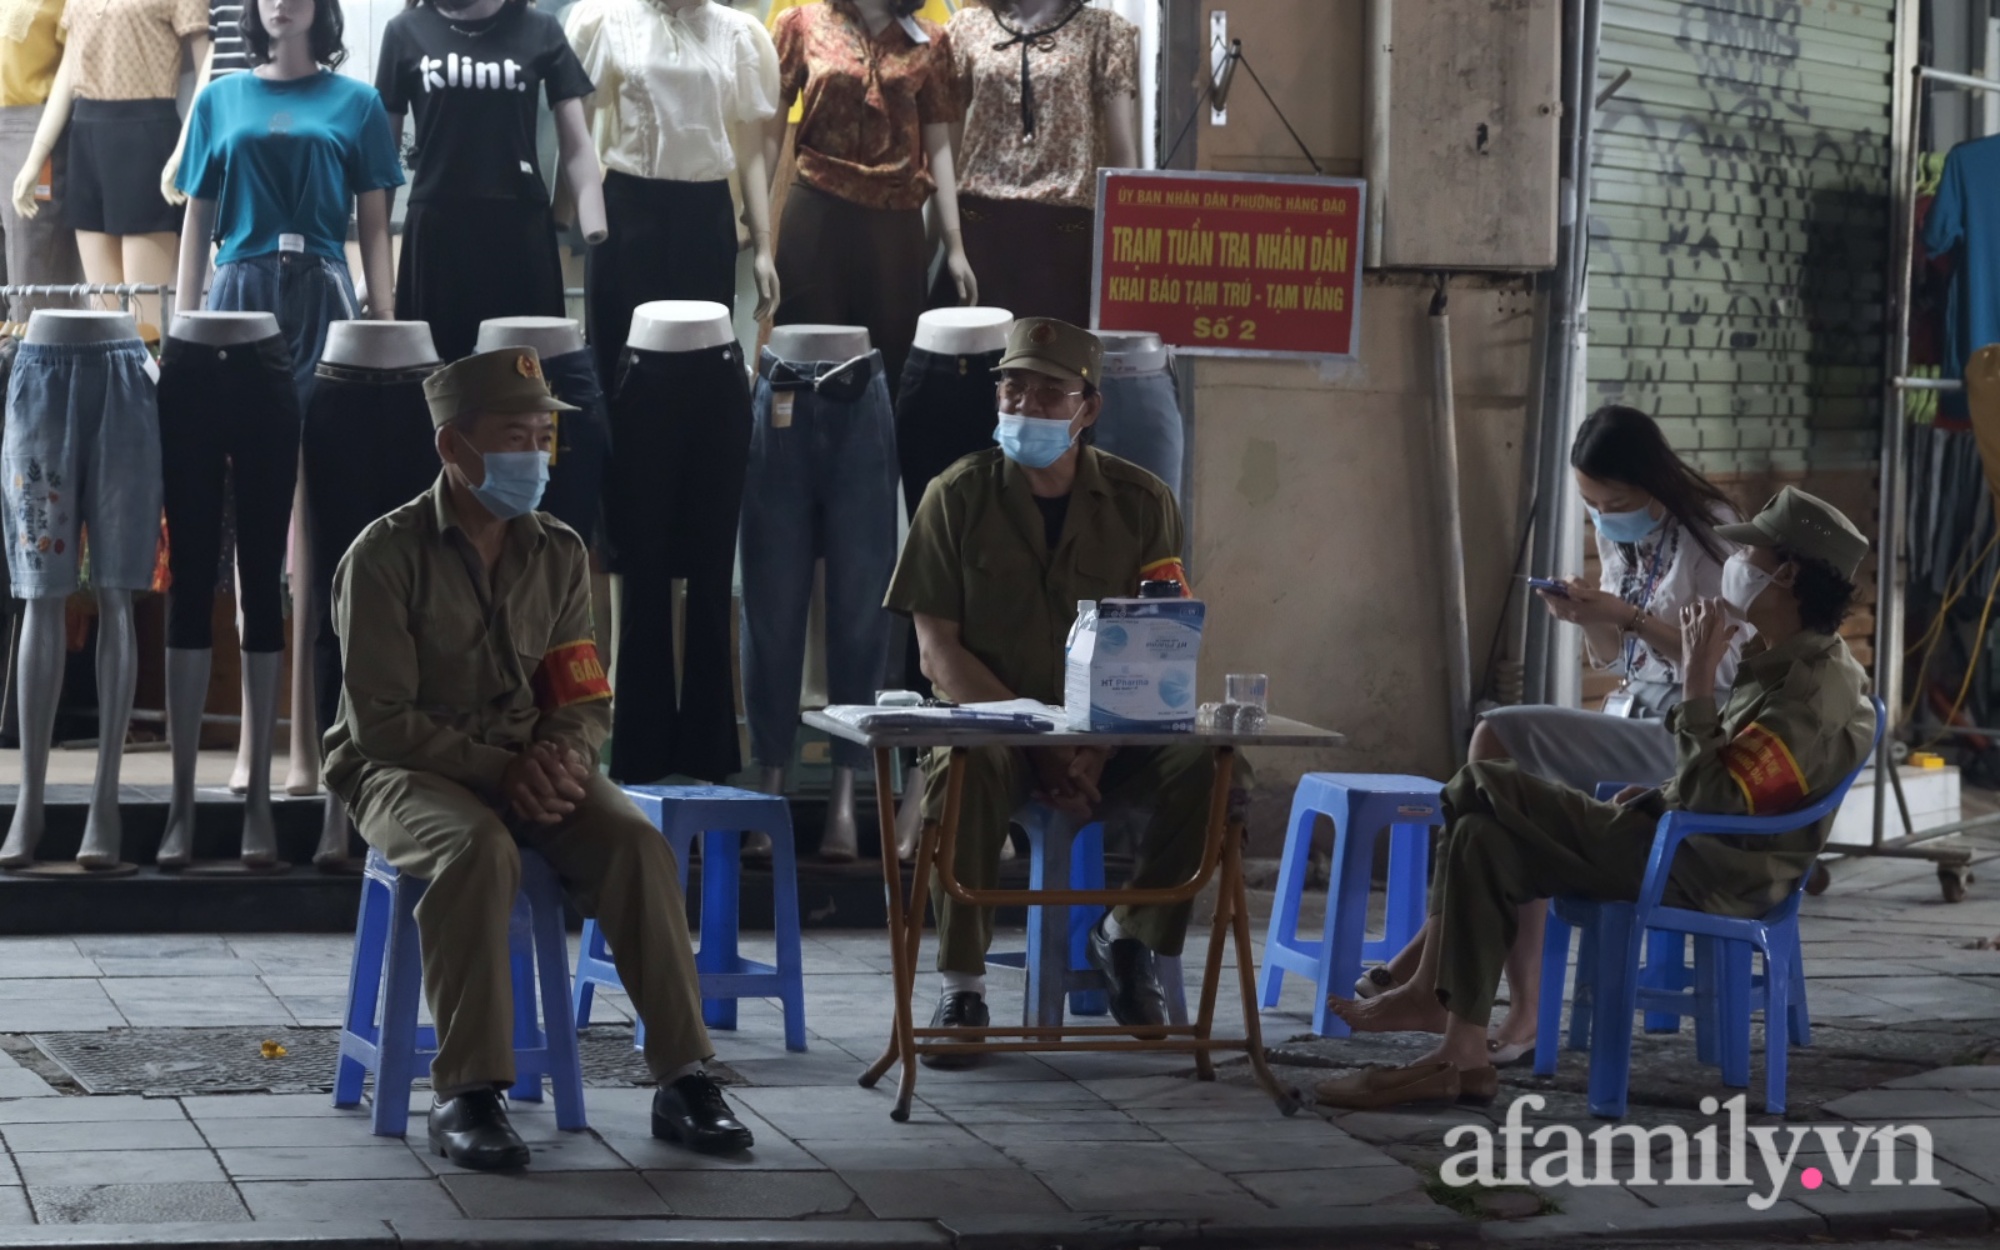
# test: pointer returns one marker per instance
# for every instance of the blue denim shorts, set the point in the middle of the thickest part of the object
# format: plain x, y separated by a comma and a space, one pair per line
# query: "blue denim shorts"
82, 451
306, 293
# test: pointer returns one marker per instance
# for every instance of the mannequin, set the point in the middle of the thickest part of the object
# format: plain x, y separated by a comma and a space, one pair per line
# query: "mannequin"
852, 249
821, 483
98, 374
114, 92
944, 410
575, 492
476, 192
188, 667
1050, 93
368, 447
683, 88
279, 211
680, 421
40, 250
1141, 420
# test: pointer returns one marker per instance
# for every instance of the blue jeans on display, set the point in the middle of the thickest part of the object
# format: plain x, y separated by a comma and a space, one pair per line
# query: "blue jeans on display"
81, 450
306, 293
1141, 422
575, 493
824, 485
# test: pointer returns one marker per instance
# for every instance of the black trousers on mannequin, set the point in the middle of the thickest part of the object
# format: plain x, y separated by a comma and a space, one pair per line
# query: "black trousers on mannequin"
668, 240
681, 424
369, 448
840, 263
223, 406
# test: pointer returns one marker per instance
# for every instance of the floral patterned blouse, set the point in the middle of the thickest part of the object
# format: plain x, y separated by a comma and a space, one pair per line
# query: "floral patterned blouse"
1044, 143
867, 101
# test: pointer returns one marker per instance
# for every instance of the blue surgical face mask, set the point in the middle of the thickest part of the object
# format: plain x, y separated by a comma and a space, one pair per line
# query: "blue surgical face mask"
1626, 527
514, 481
1033, 442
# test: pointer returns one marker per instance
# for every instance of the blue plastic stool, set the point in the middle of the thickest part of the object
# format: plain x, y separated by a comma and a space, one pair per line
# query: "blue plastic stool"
1360, 806
721, 815
1056, 849
388, 974
1610, 984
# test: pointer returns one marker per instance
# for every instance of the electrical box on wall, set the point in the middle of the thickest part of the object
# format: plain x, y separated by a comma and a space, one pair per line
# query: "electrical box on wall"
1475, 114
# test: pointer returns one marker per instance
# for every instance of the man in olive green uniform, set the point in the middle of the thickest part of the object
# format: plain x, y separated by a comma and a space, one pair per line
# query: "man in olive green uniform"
1002, 547
472, 709
1797, 722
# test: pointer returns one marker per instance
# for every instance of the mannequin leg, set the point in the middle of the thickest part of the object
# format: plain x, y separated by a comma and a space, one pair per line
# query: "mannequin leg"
840, 844
239, 773
103, 257
262, 671
303, 775
333, 830
187, 696
150, 259
117, 679
41, 674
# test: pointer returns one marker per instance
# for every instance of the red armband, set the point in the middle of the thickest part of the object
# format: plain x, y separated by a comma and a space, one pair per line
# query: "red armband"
1763, 767
570, 674
1168, 571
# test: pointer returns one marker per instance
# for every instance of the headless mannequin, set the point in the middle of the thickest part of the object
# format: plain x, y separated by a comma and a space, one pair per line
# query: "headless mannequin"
840, 843
1136, 351
948, 332
109, 259
549, 336
680, 325
188, 672
41, 661
357, 345
877, 15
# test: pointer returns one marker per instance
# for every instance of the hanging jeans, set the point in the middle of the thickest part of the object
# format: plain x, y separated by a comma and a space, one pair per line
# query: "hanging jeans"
370, 448
306, 293
575, 493
1141, 421
224, 407
668, 240
681, 423
822, 483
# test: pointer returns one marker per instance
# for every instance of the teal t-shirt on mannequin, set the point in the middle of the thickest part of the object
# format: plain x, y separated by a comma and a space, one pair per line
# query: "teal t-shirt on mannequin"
284, 159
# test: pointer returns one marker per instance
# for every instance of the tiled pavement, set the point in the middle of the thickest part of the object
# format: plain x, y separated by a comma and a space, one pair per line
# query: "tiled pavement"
1072, 1150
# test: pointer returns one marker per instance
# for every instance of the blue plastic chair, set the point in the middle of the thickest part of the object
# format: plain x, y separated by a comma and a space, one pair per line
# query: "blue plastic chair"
1611, 985
388, 974
1360, 805
1057, 961
720, 815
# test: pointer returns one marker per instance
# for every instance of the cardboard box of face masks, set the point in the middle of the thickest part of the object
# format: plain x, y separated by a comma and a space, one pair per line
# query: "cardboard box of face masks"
1131, 664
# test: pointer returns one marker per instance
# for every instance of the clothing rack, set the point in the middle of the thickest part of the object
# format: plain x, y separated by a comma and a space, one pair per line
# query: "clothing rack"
1954, 863
123, 291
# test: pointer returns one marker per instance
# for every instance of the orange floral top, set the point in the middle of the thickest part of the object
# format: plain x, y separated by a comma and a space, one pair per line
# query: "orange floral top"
867, 100
1040, 137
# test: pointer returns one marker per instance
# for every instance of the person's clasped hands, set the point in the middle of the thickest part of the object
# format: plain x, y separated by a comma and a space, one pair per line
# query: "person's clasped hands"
544, 783
1066, 778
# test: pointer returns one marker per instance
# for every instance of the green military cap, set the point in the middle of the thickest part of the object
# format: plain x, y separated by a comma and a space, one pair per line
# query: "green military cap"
1045, 345
1806, 524
509, 380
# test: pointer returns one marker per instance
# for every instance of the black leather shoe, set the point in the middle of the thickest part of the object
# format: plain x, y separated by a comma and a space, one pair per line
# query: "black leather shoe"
692, 1113
964, 1009
1134, 977
472, 1131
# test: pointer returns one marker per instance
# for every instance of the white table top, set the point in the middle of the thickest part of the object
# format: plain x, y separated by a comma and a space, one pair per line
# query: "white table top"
1277, 732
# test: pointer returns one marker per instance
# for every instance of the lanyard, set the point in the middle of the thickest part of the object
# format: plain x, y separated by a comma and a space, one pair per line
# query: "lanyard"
1653, 572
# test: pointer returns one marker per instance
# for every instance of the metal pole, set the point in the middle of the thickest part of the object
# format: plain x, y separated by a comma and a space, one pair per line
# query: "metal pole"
1379, 62
1451, 533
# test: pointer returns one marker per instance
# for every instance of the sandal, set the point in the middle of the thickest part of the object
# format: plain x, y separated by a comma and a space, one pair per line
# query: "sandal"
1375, 981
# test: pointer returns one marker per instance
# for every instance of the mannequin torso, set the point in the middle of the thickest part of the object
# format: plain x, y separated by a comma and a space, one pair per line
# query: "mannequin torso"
62, 325
675, 325
963, 331
817, 342
549, 336
223, 329
379, 345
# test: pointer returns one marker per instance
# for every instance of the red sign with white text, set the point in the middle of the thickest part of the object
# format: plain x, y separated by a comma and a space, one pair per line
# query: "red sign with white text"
1230, 264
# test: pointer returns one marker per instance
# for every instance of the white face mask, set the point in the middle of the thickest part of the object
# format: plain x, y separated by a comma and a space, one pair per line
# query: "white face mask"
1742, 582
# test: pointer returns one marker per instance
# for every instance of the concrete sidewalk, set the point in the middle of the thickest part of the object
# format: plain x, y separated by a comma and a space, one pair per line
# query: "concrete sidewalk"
1080, 1150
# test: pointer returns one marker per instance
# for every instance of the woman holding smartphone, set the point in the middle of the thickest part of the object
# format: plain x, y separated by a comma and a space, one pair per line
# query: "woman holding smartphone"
1655, 518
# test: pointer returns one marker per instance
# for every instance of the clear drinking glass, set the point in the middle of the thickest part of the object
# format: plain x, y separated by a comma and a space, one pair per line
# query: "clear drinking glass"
1247, 689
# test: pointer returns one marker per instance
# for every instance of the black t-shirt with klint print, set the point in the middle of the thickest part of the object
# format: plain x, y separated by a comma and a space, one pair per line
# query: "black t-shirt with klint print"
470, 88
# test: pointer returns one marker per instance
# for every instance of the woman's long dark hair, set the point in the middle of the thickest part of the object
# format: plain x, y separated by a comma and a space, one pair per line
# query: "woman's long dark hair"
327, 36
1620, 444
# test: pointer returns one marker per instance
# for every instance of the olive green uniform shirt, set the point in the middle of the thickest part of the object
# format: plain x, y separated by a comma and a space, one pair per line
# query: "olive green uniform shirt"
441, 659
977, 555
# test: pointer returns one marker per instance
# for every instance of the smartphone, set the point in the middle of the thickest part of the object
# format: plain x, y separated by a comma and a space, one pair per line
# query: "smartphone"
1549, 586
